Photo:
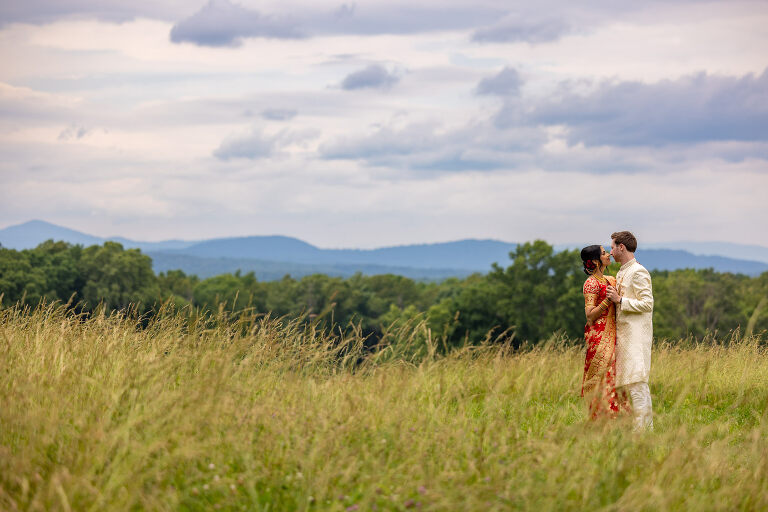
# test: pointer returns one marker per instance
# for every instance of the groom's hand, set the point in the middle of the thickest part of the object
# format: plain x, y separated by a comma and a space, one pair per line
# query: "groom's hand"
613, 294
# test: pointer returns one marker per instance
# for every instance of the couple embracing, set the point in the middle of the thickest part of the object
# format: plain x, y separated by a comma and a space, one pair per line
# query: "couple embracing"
618, 333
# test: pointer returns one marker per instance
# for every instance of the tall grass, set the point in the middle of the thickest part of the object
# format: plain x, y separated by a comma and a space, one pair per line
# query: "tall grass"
252, 413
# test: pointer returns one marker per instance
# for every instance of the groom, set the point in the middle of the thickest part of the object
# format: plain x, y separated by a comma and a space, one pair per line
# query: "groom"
634, 328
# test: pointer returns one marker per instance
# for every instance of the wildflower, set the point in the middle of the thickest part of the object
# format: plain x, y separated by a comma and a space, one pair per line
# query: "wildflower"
232, 487
211, 466
216, 478
195, 491
206, 487
422, 489
352, 508
409, 504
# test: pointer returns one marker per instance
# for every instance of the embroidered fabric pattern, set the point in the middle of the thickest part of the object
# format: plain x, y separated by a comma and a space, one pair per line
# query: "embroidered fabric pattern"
598, 384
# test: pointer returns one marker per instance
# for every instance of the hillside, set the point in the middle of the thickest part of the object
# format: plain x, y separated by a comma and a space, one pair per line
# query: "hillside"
272, 257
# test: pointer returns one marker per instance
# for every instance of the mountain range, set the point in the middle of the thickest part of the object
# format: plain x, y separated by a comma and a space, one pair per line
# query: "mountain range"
272, 257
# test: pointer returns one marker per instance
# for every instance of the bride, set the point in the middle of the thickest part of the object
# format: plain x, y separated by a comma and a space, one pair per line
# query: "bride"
598, 385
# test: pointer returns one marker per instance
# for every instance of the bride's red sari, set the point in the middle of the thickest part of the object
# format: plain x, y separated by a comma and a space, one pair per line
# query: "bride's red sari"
598, 385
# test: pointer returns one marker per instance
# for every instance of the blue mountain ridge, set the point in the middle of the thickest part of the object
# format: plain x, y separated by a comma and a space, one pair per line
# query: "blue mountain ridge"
466, 254
271, 257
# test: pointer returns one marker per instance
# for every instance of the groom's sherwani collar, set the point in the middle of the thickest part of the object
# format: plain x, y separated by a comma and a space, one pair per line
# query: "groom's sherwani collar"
628, 264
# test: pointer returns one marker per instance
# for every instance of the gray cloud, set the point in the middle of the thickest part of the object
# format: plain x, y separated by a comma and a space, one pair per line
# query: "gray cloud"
692, 109
476, 146
323, 103
403, 18
222, 23
506, 83
252, 146
118, 11
257, 145
374, 76
386, 141
347, 18
519, 136
514, 29
345, 11
278, 114
73, 132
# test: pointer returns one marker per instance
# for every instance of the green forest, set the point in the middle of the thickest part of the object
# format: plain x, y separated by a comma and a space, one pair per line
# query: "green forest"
534, 296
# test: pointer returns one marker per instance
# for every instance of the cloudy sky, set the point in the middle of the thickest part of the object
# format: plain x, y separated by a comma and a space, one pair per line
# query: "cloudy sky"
372, 123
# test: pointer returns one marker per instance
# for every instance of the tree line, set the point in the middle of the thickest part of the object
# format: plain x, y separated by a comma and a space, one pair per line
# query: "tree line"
537, 294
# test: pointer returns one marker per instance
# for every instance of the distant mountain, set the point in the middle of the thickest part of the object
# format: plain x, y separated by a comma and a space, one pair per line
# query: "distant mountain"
468, 254
273, 248
166, 245
653, 259
463, 254
726, 249
31, 234
271, 257
274, 270
663, 259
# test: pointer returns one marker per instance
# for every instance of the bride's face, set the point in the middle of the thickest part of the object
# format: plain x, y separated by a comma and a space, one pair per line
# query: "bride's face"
605, 257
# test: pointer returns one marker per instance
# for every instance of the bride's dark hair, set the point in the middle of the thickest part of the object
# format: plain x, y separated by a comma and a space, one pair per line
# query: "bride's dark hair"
588, 255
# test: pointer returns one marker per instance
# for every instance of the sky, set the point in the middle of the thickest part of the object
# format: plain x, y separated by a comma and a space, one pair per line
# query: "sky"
375, 123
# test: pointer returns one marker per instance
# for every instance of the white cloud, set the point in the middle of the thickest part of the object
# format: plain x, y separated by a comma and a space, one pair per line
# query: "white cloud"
114, 128
26, 104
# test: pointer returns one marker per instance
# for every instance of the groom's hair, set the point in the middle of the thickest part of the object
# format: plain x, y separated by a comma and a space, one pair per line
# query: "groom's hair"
626, 238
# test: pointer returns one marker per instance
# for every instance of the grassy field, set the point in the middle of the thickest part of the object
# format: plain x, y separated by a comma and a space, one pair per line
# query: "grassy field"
255, 414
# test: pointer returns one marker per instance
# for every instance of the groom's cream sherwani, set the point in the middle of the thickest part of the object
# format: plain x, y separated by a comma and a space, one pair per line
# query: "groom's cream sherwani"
634, 324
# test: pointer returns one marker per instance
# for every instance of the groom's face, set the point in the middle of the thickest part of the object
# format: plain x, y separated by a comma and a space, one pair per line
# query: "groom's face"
616, 251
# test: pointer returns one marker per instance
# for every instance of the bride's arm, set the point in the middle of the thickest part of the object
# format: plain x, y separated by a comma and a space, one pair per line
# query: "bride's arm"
592, 310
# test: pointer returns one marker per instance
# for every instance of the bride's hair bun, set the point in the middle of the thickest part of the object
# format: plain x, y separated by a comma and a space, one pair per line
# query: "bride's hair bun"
588, 255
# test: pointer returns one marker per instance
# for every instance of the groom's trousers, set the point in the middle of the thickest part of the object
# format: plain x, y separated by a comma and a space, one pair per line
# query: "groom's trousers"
642, 407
